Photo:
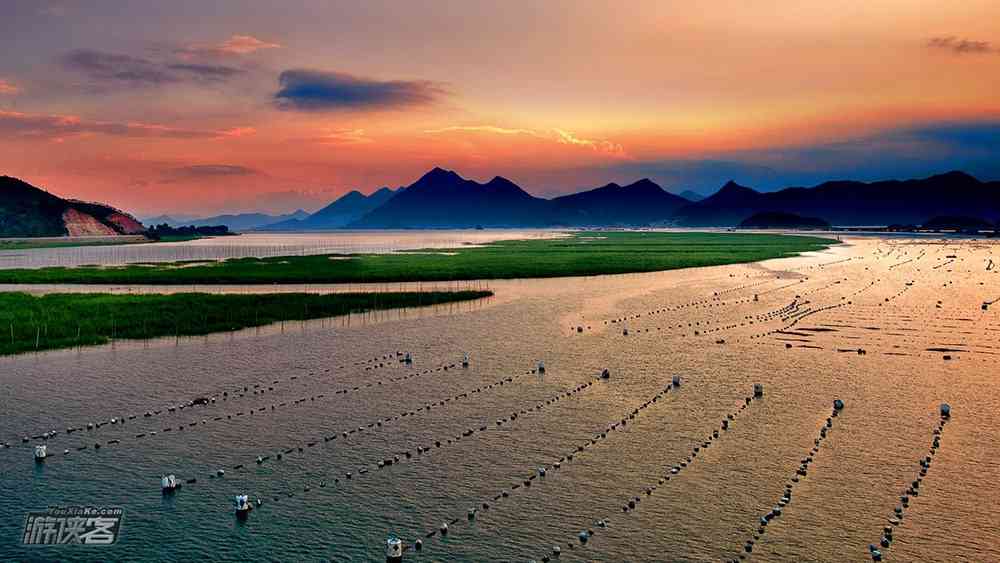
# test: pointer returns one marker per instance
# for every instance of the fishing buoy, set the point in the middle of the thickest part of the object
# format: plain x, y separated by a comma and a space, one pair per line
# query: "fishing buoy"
945, 410
168, 484
584, 536
838, 405
393, 550
242, 506
41, 452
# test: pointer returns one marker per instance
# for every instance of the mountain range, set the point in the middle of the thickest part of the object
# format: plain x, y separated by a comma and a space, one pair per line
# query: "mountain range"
235, 221
854, 203
443, 199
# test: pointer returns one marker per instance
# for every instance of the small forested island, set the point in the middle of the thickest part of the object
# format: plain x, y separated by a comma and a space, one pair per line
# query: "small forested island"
165, 231
958, 224
782, 220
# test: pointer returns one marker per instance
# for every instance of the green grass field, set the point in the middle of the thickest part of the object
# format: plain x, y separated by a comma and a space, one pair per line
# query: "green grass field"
29, 322
581, 254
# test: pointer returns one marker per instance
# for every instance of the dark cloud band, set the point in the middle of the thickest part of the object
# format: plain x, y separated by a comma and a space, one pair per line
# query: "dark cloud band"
312, 90
128, 70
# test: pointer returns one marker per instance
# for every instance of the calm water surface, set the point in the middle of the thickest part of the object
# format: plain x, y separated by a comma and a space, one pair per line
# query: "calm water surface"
906, 303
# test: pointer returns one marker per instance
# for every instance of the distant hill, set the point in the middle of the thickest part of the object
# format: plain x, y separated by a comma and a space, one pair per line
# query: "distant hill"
640, 203
173, 219
243, 221
27, 211
780, 220
342, 212
850, 203
443, 199
691, 195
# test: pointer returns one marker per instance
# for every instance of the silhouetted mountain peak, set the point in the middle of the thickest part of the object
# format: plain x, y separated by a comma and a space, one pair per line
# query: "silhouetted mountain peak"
644, 183
352, 195
439, 176
499, 182
644, 186
732, 186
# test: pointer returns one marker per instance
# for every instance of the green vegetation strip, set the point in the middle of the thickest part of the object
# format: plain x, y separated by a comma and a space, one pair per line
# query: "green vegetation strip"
66, 320
581, 254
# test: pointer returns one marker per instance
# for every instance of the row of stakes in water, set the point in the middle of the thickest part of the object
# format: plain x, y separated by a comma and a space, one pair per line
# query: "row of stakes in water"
395, 548
170, 483
207, 399
912, 490
41, 450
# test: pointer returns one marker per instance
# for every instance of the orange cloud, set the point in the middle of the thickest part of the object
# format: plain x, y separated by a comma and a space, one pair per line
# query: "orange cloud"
345, 137
961, 46
236, 45
60, 127
567, 138
239, 132
484, 129
560, 136
244, 45
8, 88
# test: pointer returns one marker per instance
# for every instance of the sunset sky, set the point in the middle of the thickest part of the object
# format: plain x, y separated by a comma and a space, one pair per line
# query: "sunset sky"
195, 106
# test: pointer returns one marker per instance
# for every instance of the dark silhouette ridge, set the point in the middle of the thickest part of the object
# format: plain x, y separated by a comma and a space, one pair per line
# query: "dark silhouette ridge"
341, 212
240, 221
851, 203
443, 199
643, 202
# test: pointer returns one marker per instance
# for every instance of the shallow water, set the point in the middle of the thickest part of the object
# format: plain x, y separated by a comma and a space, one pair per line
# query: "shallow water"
825, 305
260, 245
